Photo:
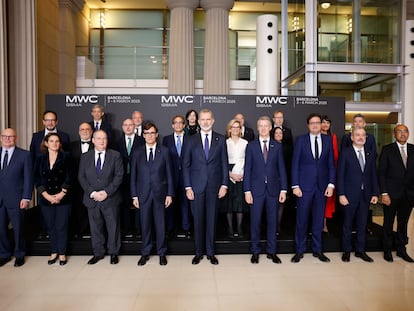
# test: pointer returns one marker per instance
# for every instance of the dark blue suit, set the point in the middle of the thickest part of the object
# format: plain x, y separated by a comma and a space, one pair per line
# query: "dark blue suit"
313, 177
264, 180
180, 199
37, 139
151, 183
126, 215
358, 186
105, 126
205, 176
16, 183
370, 144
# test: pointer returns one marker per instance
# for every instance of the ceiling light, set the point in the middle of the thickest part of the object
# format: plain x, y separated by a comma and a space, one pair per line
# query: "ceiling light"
325, 5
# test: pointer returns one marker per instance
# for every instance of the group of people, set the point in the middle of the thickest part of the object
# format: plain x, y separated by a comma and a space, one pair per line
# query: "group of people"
193, 172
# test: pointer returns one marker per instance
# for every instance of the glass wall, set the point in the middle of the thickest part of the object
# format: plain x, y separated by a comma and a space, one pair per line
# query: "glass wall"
359, 31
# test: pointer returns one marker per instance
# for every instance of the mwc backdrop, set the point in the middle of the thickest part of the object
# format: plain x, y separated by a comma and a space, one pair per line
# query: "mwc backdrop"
75, 109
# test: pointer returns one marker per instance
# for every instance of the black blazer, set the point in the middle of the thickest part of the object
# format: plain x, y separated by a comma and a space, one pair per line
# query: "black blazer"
394, 178
105, 126
248, 134
176, 160
53, 180
287, 136
121, 147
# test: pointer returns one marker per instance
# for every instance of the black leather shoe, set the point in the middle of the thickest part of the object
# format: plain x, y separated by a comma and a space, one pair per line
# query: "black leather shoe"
94, 260
19, 262
321, 257
405, 256
114, 259
213, 260
62, 260
364, 256
296, 258
274, 258
3, 261
143, 260
255, 258
388, 256
346, 257
196, 260
163, 261
52, 261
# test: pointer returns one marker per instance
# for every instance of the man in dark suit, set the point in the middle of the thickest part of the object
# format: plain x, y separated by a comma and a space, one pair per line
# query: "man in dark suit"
205, 170
358, 121
79, 217
396, 179
357, 187
278, 120
265, 185
152, 190
180, 206
100, 175
99, 123
16, 186
247, 132
126, 145
50, 121
138, 119
313, 177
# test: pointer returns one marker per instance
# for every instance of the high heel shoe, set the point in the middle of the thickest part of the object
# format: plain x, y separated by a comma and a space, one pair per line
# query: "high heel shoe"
62, 260
52, 261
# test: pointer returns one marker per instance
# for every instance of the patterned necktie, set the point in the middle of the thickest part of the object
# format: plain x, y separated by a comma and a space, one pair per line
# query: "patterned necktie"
206, 147
316, 148
265, 151
361, 160
96, 126
5, 159
178, 145
404, 156
99, 165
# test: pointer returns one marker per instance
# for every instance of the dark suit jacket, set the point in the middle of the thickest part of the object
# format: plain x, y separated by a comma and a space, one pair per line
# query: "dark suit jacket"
121, 147
350, 178
202, 174
105, 126
110, 179
176, 160
37, 139
16, 181
76, 152
394, 178
248, 134
260, 176
53, 180
155, 177
370, 145
306, 171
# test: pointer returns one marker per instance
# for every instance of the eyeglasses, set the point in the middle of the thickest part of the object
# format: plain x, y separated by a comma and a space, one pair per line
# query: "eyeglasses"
150, 133
235, 127
8, 136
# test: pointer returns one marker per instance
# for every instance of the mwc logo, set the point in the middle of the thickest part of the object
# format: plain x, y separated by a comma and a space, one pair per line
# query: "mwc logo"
177, 99
81, 99
281, 100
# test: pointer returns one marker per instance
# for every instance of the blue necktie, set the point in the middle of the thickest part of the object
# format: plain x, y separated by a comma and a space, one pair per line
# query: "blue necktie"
5, 159
178, 145
206, 147
96, 126
151, 156
99, 165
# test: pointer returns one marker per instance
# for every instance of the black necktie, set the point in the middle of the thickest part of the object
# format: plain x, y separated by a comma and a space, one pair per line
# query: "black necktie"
316, 148
86, 142
99, 165
5, 159
151, 156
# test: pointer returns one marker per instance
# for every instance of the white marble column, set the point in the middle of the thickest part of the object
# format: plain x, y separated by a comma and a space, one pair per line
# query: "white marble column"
181, 52
22, 79
3, 67
216, 52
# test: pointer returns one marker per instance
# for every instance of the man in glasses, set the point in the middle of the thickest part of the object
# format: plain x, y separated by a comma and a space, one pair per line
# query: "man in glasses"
16, 186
